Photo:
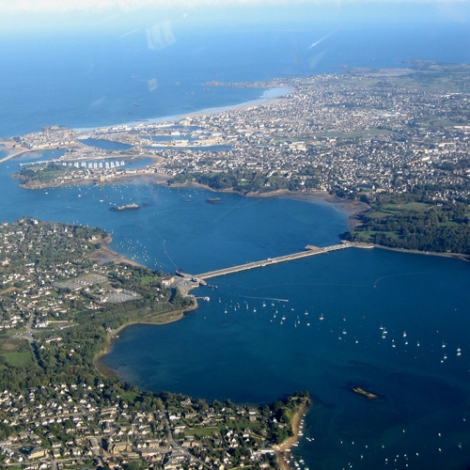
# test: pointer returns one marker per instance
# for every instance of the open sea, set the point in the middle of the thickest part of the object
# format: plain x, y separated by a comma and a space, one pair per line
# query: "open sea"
393, 323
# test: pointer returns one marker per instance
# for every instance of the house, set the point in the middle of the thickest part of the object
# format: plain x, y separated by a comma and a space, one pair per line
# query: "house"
37, 453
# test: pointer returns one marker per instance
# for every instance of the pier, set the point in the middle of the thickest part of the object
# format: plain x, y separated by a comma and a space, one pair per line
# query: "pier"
309, 251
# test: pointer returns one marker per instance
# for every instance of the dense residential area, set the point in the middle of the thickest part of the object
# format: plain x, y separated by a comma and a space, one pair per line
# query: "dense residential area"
395, 139
60, 307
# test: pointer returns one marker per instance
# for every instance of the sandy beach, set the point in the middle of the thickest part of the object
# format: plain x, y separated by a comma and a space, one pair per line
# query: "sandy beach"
105, 254
271, 95
282, 451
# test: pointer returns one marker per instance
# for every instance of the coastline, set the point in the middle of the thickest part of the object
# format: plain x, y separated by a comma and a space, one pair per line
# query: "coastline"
271, 94
459, 256
352, 208
282, 450
105, 254
266, 97
157, 319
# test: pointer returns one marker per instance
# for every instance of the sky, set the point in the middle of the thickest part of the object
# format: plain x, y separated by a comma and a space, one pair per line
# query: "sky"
71, 15
127, 5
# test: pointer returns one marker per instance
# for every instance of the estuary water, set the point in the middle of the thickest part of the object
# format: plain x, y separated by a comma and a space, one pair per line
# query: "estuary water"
393, 323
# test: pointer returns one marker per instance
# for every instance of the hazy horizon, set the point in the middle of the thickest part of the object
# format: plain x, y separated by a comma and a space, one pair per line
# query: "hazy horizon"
23, 18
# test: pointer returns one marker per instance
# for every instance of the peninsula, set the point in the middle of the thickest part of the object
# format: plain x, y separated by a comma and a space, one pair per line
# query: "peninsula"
396, 141
60, 306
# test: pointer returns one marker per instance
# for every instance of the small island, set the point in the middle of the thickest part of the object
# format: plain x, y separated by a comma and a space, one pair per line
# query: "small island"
213, 200
127, 207
364, 393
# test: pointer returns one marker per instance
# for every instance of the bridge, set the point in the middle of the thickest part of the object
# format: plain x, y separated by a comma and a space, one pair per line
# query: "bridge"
309, 251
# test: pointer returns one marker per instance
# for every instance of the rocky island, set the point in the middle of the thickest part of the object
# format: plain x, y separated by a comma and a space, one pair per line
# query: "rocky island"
364, 393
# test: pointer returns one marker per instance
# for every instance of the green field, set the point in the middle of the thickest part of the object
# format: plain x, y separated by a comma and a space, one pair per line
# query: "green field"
129, 396
209, 431
410, 206
16, 352
19, 359
147, 279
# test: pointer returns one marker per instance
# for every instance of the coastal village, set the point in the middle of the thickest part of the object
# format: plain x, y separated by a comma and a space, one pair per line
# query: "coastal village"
59, 308
69, 426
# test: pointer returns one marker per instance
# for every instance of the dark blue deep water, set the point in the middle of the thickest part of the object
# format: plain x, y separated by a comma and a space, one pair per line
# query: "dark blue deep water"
394, 323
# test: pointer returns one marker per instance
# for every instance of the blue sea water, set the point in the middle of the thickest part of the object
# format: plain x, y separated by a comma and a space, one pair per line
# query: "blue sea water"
104, 79
319, 324
335, 307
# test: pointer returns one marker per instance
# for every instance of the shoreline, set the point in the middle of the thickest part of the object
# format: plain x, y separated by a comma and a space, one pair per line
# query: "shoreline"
352, 208
109, 373
263, 99
458, 256
105, 254
270, 94
158, 320
282, 450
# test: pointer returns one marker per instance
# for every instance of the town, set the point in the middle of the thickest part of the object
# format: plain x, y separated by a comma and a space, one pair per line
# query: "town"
361, 133
396, 140
61, 302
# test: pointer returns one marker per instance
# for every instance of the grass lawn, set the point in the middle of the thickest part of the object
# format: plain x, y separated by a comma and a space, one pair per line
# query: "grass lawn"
10, 345
19, 359
207, 431
129, 396
410, 206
